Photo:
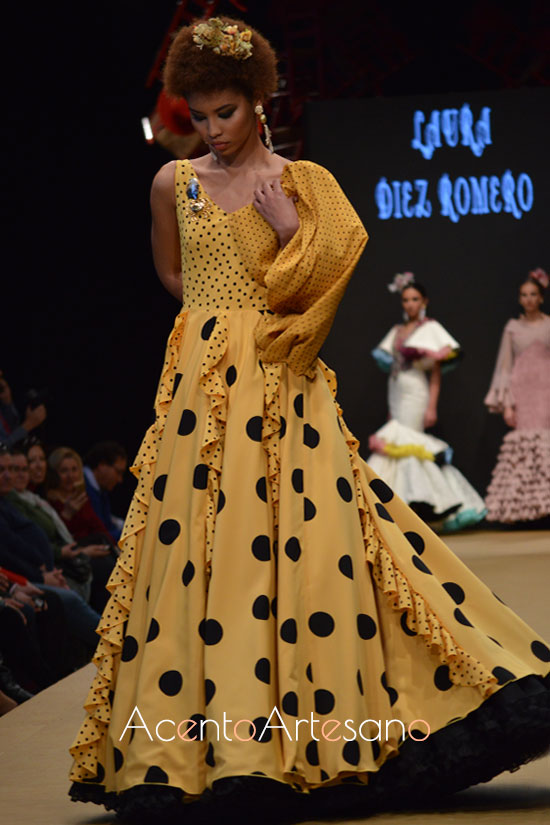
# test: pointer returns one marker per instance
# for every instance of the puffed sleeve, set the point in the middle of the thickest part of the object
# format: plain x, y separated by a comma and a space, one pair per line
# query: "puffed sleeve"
306, 281
500, 394
383, 353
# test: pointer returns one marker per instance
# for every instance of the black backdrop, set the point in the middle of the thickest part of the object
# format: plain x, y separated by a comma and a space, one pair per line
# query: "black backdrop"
82, 312
472, 268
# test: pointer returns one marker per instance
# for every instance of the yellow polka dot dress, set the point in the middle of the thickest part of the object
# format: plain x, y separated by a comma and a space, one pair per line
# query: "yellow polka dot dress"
276, 612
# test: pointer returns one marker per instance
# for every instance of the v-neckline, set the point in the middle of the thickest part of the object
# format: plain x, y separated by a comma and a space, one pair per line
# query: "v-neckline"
213, 202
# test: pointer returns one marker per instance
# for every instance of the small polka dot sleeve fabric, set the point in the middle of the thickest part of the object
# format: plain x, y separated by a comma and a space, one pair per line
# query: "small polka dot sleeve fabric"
306, 281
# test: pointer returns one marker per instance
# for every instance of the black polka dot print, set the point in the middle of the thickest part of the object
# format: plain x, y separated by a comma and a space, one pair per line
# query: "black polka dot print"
262, 733
188, 422
129, 649
416, 540
321, 623
310, 510
289, 631
221, 501
419, 564
381, 489
188, 573
309, 673
208, 328
153, 632
293, 549
344, 488
200, 477
289, 703
262, 670
441, 678
324, 701
209, 690
261, 488
311, 436
382, 512
541, 651
159, 487
260, 608
405, 626
461, 618
254, 428
299, 405
170, 682
230, 375
351, 752
392, 693
503, 675
177, 378
360, 683
366, 626
211, 631
345, 566
118, 759
298, 480
169, 530
261, 548
312, 752
455, 592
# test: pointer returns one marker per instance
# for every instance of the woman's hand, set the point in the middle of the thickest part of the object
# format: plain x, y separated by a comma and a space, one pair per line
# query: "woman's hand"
94, 551
430, 417
73, 504
510, 416
277, 209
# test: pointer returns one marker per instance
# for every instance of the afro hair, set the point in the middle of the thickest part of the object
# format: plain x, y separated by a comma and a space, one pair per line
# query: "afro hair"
191, 69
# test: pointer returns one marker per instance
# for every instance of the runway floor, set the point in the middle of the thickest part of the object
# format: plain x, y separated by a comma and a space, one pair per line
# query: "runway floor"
34, 737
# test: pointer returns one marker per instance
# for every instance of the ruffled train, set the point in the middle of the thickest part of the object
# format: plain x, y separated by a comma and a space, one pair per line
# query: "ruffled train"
382, 590
520, 484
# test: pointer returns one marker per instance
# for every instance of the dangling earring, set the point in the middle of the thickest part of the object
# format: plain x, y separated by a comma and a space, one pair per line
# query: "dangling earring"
259, 109
422, 314
406, 316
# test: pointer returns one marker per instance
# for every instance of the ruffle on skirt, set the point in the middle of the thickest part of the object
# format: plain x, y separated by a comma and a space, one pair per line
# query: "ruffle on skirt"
417, 467
264, 566
520, 484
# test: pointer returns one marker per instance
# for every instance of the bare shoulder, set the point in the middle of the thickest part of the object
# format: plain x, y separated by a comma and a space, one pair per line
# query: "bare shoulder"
163, 182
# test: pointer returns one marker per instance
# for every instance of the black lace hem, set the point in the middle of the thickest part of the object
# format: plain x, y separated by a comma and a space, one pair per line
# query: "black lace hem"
510, 728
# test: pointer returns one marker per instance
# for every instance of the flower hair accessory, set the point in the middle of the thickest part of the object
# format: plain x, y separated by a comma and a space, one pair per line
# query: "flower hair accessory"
401, 280
541, 276
223, 38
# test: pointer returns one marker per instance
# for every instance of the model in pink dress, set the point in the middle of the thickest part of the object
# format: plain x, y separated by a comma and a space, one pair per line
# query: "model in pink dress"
520, 390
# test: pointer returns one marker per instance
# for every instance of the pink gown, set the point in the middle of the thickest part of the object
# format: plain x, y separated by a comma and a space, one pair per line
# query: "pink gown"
520, 485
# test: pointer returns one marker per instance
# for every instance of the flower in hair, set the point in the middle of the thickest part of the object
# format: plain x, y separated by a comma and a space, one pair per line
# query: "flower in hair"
223, 38
401, 280
541, 276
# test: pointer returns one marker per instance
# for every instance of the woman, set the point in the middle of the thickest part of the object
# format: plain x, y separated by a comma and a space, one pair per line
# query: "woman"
241, 594
418, 466
67, 495
520, 391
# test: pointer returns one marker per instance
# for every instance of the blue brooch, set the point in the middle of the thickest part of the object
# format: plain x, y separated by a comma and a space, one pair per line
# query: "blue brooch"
195, 205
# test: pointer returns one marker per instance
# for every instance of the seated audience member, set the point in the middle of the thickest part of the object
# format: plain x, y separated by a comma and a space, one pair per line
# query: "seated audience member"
67, 493
12, 428
33, 635
25, 549
76, 561
38, 465
104, 468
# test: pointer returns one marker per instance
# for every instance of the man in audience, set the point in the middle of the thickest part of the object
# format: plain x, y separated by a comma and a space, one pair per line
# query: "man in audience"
104, 468
25, 549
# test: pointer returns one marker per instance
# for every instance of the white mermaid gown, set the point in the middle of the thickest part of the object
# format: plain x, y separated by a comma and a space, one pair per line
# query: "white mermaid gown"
417, 465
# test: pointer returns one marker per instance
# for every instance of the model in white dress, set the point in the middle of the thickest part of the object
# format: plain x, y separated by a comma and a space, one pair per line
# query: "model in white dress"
415, 464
